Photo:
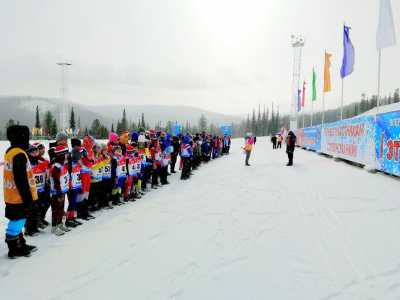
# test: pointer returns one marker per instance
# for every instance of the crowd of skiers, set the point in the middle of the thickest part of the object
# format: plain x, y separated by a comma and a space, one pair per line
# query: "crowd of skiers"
90, 175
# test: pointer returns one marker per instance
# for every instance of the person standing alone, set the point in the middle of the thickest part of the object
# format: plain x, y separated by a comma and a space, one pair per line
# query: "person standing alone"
248, 147
290, 146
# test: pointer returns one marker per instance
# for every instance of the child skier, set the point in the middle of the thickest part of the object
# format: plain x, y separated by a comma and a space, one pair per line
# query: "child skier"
44, 191
130, 161
32, 222
86, 170
186, 155
95, 194
118, 174
107, 185
59, 186
75, 189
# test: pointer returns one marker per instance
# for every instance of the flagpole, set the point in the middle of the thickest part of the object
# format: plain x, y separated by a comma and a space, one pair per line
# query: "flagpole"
323, 108
378, 100
303, 115
312, 112
341, 105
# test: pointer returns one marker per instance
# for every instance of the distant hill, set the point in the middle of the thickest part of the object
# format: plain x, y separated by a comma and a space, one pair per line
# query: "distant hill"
22, 109
155, 113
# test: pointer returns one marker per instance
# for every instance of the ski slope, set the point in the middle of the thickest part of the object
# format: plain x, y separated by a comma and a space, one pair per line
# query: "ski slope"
319, 230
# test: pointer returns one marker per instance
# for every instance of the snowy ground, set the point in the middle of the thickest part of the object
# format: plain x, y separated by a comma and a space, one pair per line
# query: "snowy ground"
320, 230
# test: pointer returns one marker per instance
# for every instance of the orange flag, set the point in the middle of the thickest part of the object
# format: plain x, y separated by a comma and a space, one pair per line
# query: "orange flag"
327, 72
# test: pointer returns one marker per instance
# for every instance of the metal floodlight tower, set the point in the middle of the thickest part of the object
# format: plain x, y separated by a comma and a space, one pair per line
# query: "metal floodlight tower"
297, 42
63, 106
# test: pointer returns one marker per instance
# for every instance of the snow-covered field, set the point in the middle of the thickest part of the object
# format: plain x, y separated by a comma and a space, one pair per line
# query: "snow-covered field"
320, 230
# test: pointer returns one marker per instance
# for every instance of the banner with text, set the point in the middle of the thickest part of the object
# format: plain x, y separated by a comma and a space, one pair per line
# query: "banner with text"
309, 138
387, 140
351, 139
226, 129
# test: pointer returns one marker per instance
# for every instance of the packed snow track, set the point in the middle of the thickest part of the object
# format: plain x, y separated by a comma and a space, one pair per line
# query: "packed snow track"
319, 230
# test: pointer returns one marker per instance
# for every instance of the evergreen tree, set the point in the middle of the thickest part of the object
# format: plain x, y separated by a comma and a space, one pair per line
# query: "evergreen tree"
213, 129
169, 126
264, 123
72, 123
10, 122
248, 124
112, 127
48, 122
396, 96
277, 121
123, 124
37, 120
53, 128
258, 123
143, 122
202, 123
119, 127
253, 122
272, 121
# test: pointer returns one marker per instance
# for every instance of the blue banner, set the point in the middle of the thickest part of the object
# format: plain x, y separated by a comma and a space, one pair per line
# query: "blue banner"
226, 129
176, 129
350, 139
387, 141
309, 138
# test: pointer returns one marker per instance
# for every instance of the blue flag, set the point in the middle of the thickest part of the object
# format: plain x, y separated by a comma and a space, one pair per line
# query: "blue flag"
348, 54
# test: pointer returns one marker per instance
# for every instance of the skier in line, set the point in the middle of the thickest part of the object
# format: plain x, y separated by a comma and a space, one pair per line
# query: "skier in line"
44, 198
19, 190
59, 187
175, 153
32, 222
290, 146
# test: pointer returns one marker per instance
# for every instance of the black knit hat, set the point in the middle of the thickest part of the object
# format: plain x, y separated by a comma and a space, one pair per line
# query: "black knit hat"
18, 136
76, 142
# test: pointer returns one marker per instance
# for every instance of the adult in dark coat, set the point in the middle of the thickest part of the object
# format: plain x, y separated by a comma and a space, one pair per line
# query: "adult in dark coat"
290, 146
273, 141
19, 190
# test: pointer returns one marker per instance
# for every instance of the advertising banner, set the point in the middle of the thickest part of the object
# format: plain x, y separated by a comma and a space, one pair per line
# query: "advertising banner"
387, 141
176, 129
226, 129
350, 139
309, 138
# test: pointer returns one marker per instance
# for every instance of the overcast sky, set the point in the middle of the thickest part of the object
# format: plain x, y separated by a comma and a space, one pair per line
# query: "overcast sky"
222, 55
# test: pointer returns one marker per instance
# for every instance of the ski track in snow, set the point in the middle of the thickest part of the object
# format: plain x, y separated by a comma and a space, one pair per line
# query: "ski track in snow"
321, 230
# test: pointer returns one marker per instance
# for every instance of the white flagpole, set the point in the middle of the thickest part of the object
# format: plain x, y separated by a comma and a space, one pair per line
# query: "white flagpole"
341, 105
312, 112
378, 100
323, 108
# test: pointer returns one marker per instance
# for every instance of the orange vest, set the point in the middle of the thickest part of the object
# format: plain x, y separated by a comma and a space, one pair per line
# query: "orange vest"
11, 193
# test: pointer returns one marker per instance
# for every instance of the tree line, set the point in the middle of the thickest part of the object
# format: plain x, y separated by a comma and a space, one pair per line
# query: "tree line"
350, 110
260, 122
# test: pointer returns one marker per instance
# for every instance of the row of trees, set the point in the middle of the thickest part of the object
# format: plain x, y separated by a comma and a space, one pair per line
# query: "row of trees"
261, 122
351, 110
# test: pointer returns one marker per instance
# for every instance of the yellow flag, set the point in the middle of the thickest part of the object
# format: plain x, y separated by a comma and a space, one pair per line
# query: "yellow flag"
327, 72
